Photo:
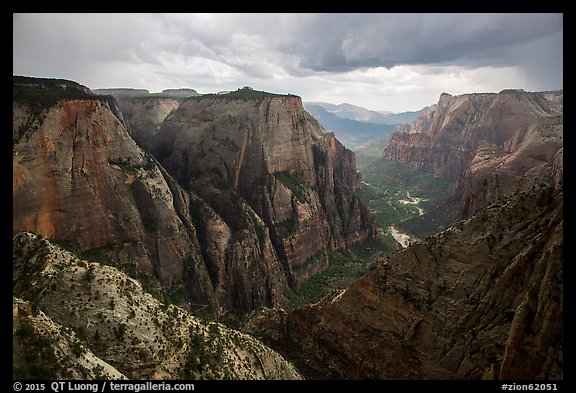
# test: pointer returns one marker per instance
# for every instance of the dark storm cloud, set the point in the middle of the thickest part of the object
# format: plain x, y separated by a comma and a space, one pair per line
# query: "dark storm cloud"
339, 42
318, 42
343, 57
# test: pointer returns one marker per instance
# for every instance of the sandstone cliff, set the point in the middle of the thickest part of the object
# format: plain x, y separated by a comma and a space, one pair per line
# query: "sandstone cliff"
488, 144
483, 299
299, 183
74, 319
146, 113
237, 215
79, 176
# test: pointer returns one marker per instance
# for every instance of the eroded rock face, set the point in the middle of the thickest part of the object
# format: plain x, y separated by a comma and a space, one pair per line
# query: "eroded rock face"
489, 144
80, 319
79, 176
483, 299
144, 116
44, 349
532, 156
238, 215
268, 151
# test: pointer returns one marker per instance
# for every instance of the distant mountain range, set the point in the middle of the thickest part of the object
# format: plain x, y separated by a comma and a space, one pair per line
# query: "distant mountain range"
354, 125
353, 112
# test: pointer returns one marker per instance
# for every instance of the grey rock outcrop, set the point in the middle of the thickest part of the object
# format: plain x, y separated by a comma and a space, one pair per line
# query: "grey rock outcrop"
80, 319
266, 150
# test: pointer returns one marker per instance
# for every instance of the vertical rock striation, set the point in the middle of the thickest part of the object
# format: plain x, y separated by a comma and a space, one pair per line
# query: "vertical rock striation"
264, 149
489, 144
481, 300
250, 196
145, 115
79, 176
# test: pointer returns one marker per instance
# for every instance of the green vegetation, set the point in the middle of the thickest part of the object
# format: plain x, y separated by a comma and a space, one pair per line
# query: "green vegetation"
371, 151
314, 260
107, 255
386, 183
39, 360
245, 93
40, 94
176, 294
385, 206
43, 93
344, 267
123, 93
293, 184
206, 352
110, 255
286, 228
129, 166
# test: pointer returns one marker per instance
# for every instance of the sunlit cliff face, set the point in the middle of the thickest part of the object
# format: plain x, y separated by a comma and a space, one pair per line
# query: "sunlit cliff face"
491, 145
246, 197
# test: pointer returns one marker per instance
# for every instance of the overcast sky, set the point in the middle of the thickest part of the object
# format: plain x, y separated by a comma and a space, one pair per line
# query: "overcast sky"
394, 62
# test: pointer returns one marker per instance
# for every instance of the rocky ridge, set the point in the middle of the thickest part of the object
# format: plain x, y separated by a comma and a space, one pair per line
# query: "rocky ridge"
231, 230
489, 144
79, 176
145, 111
481, 300
264, 149
75, 319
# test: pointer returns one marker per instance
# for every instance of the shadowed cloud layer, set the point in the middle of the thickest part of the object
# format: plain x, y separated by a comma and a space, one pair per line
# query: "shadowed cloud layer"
382, 61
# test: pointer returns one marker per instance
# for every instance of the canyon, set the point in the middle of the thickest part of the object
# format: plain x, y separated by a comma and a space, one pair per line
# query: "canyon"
141, 220
218, 209
489, 144
480, 300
